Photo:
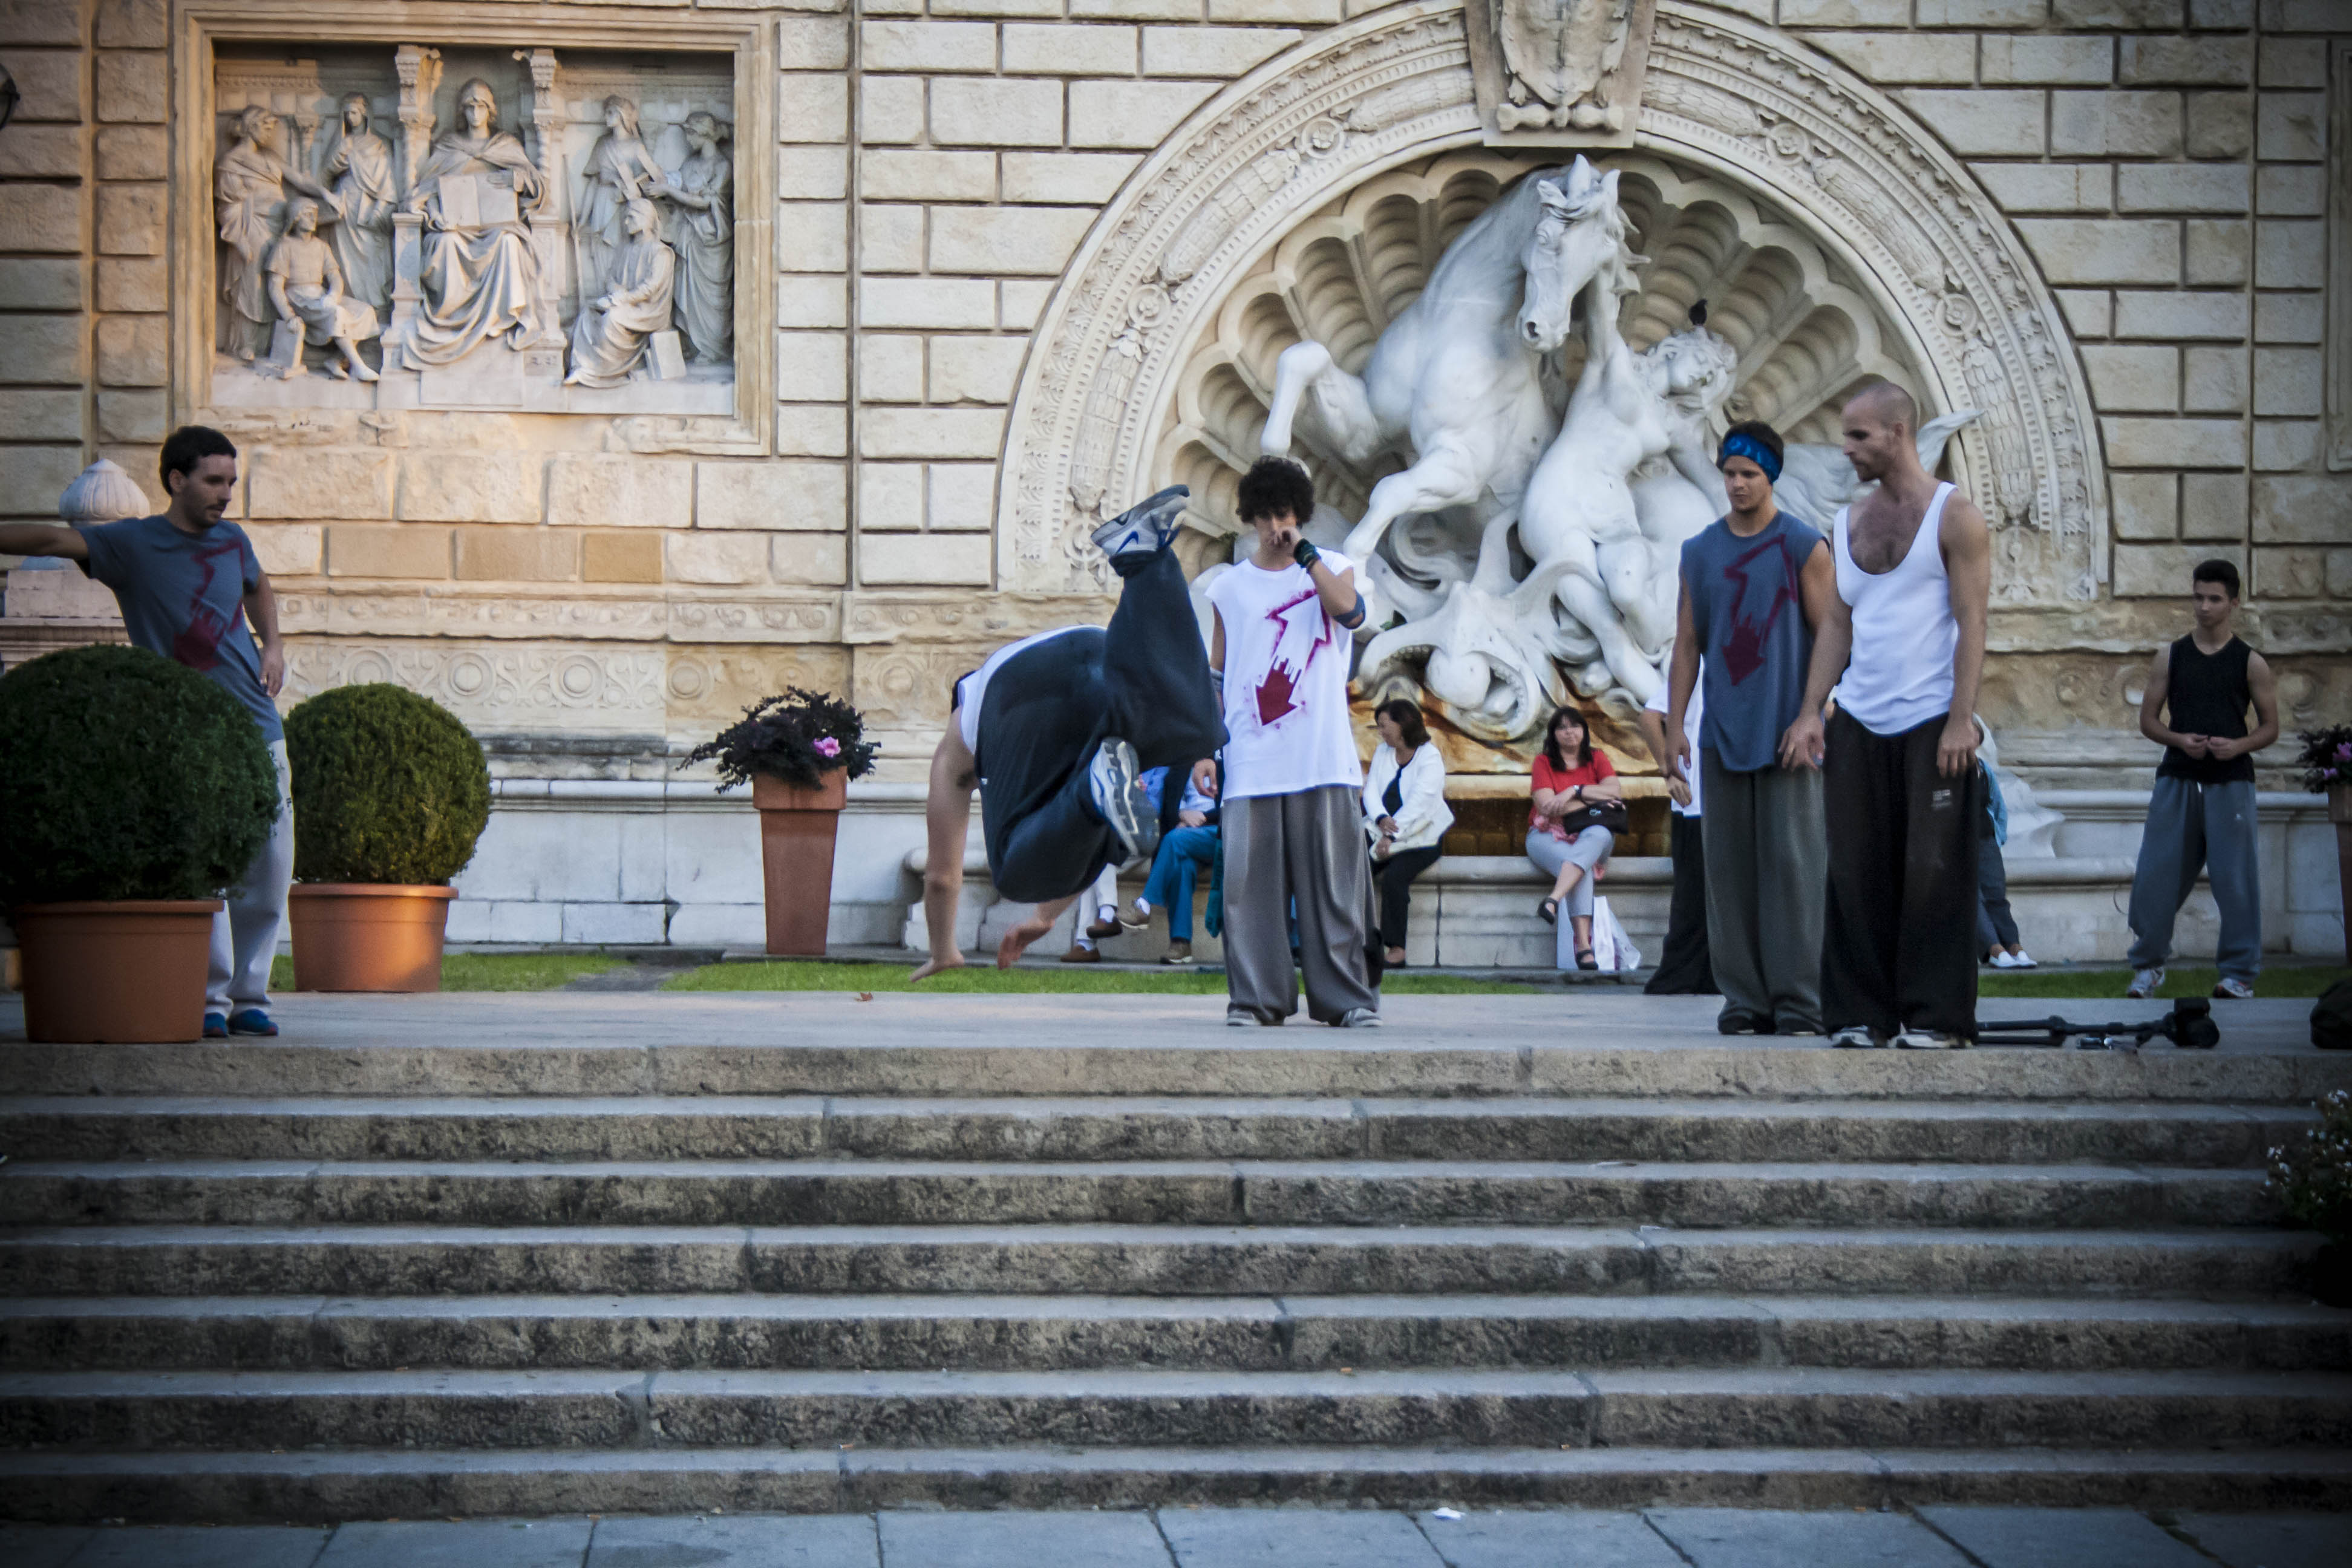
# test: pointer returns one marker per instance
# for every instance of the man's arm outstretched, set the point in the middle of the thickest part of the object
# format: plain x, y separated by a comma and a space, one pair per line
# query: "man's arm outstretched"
947, 814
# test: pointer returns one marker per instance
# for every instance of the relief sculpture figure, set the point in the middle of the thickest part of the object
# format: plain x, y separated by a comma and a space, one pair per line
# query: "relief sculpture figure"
249, 186
361, 168
619, 170
609, 335
479, 277
307, 286
704, 191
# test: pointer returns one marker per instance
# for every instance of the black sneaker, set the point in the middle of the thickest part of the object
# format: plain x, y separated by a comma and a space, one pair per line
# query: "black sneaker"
1120, 801
1742, 1023
1144, 528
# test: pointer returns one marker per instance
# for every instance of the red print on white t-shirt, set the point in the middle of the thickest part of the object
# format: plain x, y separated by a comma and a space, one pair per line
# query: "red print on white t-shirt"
1306, 631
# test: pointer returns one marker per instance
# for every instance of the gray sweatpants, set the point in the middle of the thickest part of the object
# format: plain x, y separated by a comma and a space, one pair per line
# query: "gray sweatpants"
1768, 857
2193, 827
1309, 848
245, 933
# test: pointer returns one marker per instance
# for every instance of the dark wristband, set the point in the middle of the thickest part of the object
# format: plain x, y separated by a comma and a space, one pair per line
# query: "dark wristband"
1303, 551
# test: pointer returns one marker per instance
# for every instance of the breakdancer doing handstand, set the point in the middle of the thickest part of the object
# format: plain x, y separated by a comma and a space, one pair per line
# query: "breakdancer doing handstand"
1053, 729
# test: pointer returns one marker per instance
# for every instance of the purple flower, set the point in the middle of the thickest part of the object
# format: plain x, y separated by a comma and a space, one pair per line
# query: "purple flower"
2344, 751
826, 746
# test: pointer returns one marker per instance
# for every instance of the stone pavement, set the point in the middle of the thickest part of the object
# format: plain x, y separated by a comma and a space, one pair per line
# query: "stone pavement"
1240, 1538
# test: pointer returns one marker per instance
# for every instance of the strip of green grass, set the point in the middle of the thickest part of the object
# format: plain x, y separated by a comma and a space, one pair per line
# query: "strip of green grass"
807, 975
2298, 980
490, 971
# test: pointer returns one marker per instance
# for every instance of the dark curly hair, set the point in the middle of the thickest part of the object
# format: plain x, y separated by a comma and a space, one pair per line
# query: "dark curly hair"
1274, 486
1409, 724
1551, 740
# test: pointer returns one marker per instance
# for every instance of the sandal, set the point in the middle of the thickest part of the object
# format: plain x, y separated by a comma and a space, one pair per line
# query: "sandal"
1548, 912
1584, 959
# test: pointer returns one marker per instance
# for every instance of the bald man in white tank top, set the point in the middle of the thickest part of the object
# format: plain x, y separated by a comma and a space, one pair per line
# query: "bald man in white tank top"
1904, 646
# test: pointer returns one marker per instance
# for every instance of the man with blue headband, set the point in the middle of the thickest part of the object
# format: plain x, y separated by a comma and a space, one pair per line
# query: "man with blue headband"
1755, 586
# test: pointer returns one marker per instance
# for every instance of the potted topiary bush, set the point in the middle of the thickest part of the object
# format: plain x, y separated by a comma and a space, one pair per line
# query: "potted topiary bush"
2312, 1177
799, 752
133, 791
390, 794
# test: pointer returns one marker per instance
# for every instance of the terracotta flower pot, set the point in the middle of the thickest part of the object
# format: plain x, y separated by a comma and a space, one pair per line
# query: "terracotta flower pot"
797, 827
129, 972
2339, 812
368, 936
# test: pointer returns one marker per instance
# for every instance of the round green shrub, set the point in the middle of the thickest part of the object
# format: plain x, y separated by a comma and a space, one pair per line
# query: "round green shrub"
388, 787
124, 775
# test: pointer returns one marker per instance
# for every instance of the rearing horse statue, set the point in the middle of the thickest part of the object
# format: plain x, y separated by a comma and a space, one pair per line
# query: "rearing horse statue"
1453, 380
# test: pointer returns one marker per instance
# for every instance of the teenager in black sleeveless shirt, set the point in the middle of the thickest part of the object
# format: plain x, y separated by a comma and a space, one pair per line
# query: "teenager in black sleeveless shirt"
2201, 815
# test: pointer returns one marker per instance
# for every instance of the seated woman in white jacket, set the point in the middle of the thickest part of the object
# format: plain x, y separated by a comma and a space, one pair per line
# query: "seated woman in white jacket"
1405, 813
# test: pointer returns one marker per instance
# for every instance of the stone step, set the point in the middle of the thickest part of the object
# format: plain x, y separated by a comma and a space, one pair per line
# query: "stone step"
1314, 1193
1130, 1046
314, 1487
1709, 1408
1158, 1260
1261, 1333
676, 1127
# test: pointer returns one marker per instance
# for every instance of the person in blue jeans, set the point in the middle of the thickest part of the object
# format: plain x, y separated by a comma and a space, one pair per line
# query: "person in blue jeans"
1188, 846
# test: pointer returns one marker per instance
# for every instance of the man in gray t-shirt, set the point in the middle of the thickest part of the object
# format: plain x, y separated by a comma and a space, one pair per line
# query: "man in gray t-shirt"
1754, 585
189, 586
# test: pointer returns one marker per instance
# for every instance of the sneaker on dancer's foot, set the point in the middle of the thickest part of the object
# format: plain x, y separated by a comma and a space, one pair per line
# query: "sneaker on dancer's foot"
2228, 986
2145, 982
1856, 1037
1928, 1040
1144, 528
1120, 801
1357, 1018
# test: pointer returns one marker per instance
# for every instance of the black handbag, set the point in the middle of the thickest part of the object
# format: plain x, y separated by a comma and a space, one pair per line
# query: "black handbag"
1609, 813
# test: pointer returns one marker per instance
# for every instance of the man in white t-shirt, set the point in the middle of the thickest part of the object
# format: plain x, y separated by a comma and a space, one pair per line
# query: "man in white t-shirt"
1293, 823
1054, 731
1684, 968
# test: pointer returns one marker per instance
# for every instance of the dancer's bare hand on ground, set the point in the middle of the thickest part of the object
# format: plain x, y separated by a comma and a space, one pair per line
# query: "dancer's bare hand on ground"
1016, 941
934, 964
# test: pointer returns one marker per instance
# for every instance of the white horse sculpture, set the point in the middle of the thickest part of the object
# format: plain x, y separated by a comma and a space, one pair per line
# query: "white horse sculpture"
1454, 378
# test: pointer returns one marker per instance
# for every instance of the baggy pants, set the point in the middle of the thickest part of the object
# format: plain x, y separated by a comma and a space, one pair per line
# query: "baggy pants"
2192, 827
1767, 853
1684, 967
245, 933
1144, 679
1900, 949
1307, 849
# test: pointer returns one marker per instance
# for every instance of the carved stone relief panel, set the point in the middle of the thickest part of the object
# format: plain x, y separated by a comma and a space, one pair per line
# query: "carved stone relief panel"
474, 226
1559, 72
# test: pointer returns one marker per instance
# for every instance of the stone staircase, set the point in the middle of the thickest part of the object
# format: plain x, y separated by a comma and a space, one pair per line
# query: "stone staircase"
1066, 1264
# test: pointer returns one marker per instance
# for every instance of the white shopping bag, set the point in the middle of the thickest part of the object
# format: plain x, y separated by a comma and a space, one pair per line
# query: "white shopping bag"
1612, 948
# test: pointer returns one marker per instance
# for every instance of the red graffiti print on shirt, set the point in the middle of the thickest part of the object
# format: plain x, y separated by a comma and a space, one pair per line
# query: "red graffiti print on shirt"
1743, 650
199, 644
1306, 631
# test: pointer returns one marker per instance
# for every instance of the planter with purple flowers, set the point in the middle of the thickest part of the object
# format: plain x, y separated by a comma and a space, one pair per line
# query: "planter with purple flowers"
798, 752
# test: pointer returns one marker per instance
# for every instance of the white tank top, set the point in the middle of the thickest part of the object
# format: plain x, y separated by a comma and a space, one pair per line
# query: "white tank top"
1900, 675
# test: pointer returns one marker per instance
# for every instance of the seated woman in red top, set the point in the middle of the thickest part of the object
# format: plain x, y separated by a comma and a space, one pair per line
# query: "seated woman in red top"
1563, 840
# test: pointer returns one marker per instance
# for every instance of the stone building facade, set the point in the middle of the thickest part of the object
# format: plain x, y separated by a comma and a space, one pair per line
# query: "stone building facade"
1000, 266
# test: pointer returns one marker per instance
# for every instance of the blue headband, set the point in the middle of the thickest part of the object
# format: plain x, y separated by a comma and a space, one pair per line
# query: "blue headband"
1739, 444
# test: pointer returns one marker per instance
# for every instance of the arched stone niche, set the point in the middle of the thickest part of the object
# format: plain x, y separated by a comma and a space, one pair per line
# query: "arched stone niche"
1841, 241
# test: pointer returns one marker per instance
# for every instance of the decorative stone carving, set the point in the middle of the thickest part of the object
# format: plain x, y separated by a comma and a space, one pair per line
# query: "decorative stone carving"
484, 231
1556, 71
360, 168
614, 333
1109, 407
495, 686
478, 274
307, 290
249, 202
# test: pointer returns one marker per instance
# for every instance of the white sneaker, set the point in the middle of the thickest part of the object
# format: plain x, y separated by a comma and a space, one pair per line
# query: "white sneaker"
1358, 1019
2144, 985
1856, 1037
1147, 526
2001, 959
1928, 1040
2021, 959
2235, 990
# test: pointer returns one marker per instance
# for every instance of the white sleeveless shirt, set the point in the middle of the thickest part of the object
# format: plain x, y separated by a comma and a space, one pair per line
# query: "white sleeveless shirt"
1900, 675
